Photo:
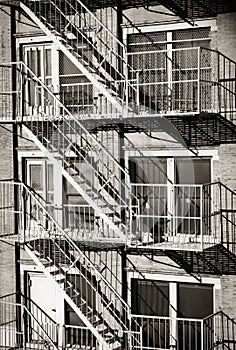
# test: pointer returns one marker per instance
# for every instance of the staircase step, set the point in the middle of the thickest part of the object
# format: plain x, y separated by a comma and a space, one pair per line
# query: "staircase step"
59, 277
52, 269
94, 320
45, 262
36, 253
37, 345
109, 337
101, 328
116, 345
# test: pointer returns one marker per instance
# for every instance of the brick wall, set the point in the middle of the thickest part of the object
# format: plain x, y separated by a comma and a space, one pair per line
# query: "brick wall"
7, 270
228, 295
226, 29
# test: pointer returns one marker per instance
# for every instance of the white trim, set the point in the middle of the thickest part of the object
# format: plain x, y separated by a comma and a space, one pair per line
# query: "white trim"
33, 40
213, 154
30, 154
170, 27
178, 279
173, 280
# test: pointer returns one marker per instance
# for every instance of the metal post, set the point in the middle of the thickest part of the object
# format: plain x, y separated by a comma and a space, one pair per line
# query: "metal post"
15, 175
121, 140
18, 295
199, 82
14, 106
120, 33
221, 215
124, 292
202, 335
201, 215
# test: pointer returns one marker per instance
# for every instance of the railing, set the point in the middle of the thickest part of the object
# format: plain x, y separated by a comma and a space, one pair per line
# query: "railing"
90, 41
38, 320
168, 333
219, 331
74, 272
6, 92
63, 138
183, 81
79, 336
78, 98
176, 216
226, 207
21, 325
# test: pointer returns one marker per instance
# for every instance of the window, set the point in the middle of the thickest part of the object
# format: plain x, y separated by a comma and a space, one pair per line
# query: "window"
165, 68
76, 90
150, 297
39, 176
169, 313
169, 196
195, 300
39, 60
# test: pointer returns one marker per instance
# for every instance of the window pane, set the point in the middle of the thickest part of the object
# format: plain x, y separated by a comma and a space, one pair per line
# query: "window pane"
50, 177
150, 297
193, 171
36, 177
149, 170
48, 66
194, 300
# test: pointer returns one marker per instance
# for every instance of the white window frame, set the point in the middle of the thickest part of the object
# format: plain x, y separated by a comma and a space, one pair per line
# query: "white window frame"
173, 281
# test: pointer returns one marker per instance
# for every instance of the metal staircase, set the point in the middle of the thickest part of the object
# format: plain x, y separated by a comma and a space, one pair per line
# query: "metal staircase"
83, 161
98, 305
86, 41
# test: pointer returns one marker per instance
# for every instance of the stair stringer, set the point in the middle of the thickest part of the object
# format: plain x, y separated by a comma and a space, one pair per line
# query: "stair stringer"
72, 58
100, 339
69, 178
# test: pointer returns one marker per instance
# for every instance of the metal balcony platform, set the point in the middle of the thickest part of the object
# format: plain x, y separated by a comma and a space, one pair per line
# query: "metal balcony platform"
186, 10
100, 245
190, 9
206, 129
215, 260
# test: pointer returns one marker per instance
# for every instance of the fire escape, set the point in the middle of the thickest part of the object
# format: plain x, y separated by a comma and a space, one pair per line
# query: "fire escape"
116, 209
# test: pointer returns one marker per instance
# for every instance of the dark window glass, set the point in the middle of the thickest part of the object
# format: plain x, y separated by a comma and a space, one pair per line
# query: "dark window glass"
150, 297
194, 300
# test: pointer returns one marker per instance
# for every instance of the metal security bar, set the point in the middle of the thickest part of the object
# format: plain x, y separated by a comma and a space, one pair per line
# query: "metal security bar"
98, 305
183, 81
6, 92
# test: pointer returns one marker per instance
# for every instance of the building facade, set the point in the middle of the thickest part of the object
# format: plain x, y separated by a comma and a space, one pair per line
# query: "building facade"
117, 177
